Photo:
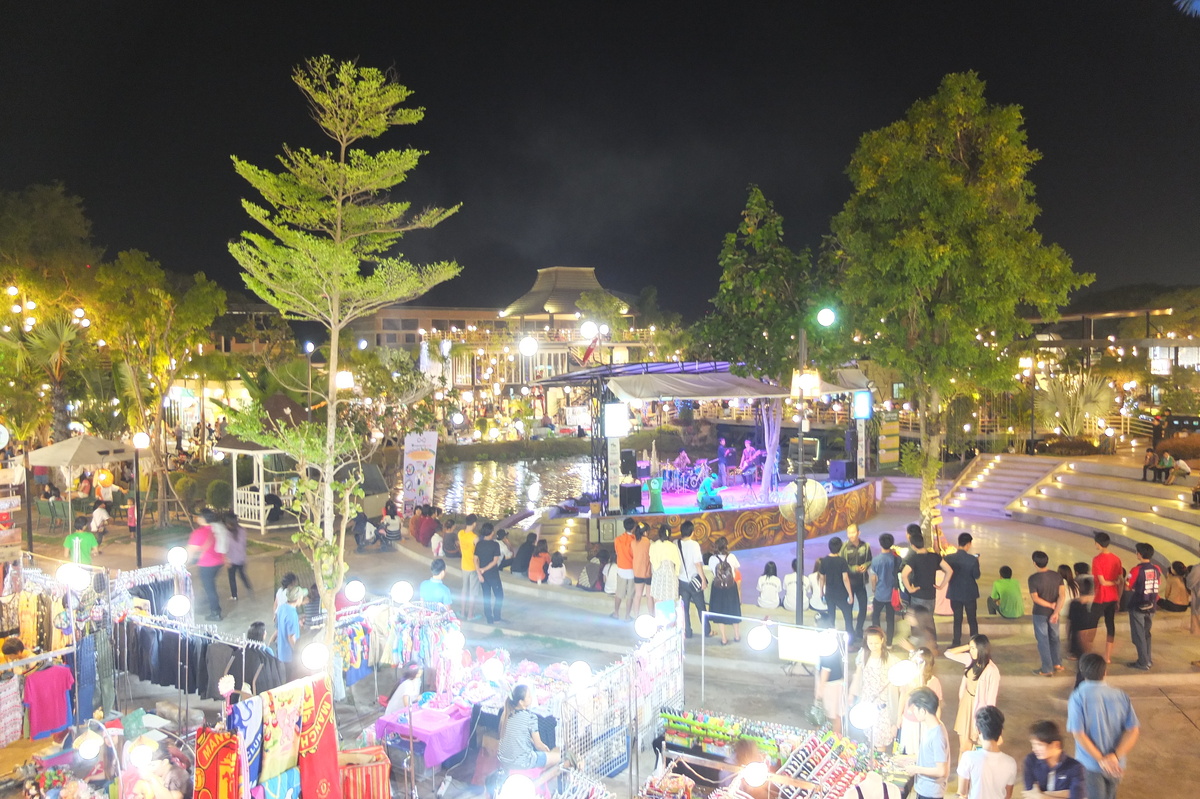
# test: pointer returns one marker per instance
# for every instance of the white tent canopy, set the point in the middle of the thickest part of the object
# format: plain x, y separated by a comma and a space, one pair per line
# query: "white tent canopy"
706, 386
81, 451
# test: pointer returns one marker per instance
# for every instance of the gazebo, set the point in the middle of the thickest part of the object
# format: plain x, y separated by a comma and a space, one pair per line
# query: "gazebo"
250, 501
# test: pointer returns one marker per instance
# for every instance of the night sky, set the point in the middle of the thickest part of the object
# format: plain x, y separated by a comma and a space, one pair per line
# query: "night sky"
615, 135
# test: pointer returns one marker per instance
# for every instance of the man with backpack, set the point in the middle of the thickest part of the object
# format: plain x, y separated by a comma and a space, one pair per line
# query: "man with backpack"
1144, 581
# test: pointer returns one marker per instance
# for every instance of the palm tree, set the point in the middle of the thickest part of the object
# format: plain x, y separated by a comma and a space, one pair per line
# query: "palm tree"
1073, 402
50, 350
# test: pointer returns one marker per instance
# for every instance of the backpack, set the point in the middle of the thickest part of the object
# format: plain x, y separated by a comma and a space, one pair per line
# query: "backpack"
723, 574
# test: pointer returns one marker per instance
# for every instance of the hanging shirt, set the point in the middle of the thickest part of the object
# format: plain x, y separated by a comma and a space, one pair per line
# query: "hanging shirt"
246, 718
218, 765
318, 758
12, 714
48, 697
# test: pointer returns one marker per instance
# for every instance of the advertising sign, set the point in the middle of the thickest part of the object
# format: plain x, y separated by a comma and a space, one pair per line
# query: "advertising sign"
420, 457
889, 437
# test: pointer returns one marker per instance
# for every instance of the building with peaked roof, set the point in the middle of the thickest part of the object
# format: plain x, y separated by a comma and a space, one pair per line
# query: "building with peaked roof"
556, 292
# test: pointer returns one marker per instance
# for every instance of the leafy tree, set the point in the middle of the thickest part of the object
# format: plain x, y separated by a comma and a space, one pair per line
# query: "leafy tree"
328, 256
46, 249
48, 352
156, 322
603, 308
768, 291
938, 253
650, 313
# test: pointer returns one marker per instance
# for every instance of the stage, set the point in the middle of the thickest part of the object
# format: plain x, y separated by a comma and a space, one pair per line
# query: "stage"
745, 521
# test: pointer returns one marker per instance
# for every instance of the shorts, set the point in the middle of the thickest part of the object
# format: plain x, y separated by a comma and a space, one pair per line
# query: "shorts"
472, 588
831, 698
540, 760
623, 587
641, 580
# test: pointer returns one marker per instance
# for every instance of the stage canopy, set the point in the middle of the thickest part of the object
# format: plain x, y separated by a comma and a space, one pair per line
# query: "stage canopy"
711, 386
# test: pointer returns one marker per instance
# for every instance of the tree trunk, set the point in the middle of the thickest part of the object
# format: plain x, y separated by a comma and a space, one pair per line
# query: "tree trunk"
58, 404
930, 418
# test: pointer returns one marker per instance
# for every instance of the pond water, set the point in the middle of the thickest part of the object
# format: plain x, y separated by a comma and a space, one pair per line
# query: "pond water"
494, 489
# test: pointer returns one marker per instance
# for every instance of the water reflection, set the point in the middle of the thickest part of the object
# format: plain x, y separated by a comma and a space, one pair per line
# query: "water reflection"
495, 490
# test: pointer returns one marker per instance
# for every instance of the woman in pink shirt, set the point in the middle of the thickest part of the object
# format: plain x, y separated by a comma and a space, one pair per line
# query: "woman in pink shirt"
208, 549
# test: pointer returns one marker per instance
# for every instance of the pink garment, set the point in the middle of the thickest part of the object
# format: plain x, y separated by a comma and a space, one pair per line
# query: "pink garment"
445, 733
47, 697
204, 538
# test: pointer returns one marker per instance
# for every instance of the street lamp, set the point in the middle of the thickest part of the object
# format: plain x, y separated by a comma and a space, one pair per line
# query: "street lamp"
308, 351
825, 318
528, 347
140, 441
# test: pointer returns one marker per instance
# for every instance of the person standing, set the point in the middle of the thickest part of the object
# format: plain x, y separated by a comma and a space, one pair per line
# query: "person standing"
642, 570
931, 770
919, 575
979, 688
726, 604
871, 684
208, 555
287, 628
724, 453
1144, 581
1105, 727
885, 572
80, 544
434, 591
963, 591
835, 584
471, 587
487, 568
236, 555
857, 554
666, 564
1048, 770
693, 579
1107, 569
1049, 594
987, 773
623, 549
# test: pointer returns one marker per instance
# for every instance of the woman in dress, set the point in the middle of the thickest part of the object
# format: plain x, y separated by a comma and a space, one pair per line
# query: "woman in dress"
871, 684
726, 603
979, 687
910, 728
665, 567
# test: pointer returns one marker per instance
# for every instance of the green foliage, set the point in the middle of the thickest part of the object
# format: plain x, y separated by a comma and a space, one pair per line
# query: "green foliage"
1187, 448
1072, 445
219, 495
46, 354
767, 292
603, 308
46, 248
186, 489
1073, 402
650, 313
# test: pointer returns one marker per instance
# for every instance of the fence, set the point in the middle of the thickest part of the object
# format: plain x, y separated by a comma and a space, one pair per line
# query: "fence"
605, 723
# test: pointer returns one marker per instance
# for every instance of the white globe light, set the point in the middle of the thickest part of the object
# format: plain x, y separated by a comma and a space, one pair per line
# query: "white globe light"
402, 592
73, 576
528, 346
142, 753
355, 591
454, 641
759, 638
179, 606
903, 672
645, 626
517, 786
457, 418
603, 330
177, 557
493, 670
864, 715
1108, 431
579, 673
88, 745
314, 656
141, 441
755, 774
343, 381
826, 317
827, 643
589, 329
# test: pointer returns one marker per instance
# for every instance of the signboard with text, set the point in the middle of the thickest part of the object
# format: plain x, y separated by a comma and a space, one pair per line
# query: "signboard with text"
889, 437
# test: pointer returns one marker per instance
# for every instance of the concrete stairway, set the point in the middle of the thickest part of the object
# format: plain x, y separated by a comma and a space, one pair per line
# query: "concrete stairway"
992, 482
1086, 496
897, 491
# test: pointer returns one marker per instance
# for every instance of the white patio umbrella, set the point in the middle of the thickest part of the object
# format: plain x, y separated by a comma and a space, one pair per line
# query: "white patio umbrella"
80, 451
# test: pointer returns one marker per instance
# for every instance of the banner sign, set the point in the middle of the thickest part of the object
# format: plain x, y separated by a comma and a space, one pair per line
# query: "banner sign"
420, 457
889, 437
614, 474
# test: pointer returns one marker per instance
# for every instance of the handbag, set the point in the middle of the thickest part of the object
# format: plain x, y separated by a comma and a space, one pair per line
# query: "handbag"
896, 604
695, 582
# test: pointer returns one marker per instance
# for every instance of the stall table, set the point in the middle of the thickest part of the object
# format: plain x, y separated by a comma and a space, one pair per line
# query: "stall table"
444, 733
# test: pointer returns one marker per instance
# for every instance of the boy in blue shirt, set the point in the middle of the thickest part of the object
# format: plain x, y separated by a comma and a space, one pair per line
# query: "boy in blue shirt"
434, 590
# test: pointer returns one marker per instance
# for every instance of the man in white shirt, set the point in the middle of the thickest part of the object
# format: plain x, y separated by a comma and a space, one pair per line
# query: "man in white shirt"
987, 773
693, 569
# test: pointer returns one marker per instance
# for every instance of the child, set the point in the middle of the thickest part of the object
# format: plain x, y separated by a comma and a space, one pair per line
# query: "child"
608, 572
287, 582
539, 563
987, 771
1007, 599
436, 542
99, 525
1081, 621
81, 544
910, 730
769, 587
557, 574
407, 692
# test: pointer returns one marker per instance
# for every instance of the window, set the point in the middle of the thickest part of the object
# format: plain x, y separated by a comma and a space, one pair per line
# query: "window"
390, 338
458, 323
897, 391
500, 324
390, 324
410, 338
409, 324
441, 324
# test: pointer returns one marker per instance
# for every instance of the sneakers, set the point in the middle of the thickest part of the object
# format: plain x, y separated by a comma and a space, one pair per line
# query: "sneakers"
1040, 673
1138, 666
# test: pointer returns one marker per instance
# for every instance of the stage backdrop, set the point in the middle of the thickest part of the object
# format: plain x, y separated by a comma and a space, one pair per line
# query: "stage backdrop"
747, 528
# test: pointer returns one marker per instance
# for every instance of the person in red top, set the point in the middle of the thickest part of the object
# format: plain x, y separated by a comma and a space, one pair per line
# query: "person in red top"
623, 580
641, 570
1107, 569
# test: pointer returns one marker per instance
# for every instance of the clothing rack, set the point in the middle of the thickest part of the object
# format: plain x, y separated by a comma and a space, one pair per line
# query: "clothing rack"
149, 574
29, 661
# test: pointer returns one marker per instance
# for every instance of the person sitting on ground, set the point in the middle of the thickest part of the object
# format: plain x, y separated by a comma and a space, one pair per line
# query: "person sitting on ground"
592, 578
437, 541
414, 521
390, 525
407, 692
521, 747
1179, 470
1050, 772
769, 587
1175, 596
520, 564
1006, 600
506, 553
81, 544
539, 563
1149, 463
557, 573
987, 772
364, 531
434, 591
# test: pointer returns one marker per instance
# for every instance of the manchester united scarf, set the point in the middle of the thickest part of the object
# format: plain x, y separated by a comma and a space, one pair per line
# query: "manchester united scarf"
319, 777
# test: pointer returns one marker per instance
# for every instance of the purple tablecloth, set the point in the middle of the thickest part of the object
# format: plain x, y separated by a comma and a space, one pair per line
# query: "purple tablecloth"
444, 732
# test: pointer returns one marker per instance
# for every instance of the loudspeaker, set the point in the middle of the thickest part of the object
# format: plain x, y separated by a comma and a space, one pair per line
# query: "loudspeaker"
843, 471
629, 462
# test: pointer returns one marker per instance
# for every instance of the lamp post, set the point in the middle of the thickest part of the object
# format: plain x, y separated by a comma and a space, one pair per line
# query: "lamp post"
140, 441
825, 318
308, 351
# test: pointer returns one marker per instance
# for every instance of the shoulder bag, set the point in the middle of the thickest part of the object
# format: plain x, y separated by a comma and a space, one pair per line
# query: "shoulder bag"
695, 582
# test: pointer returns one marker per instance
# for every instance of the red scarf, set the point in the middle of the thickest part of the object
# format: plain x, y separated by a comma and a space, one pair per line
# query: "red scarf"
218, 766
319, 778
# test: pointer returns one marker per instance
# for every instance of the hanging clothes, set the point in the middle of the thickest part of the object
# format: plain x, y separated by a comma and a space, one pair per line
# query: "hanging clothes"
48, 697
105, 671
218, 765
318, 757
12, 712
85, 668
246, 719
217, 661
27, 610
281, 729
282, 786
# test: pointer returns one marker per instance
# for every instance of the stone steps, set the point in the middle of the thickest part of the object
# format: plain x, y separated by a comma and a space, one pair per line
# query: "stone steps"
993, 482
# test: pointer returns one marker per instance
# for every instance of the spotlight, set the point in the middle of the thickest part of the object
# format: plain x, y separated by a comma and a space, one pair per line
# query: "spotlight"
402, 591
177, 557
315, 656
179, 606
355, 591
